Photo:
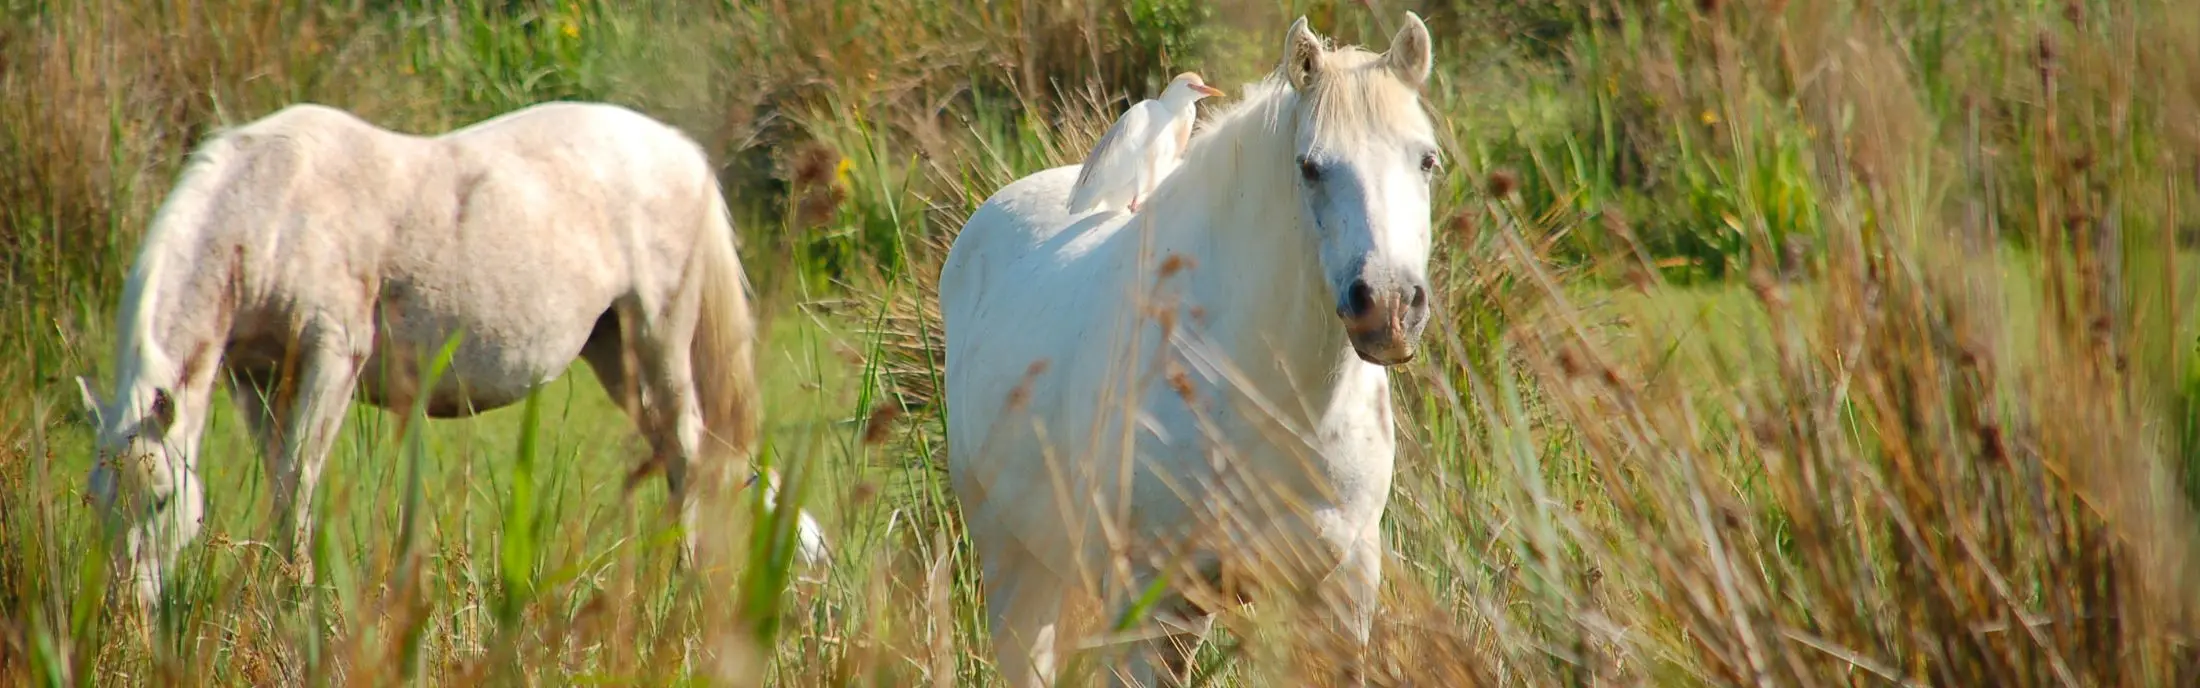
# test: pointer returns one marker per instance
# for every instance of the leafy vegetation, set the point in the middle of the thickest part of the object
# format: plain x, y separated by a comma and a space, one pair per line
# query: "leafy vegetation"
1782, 341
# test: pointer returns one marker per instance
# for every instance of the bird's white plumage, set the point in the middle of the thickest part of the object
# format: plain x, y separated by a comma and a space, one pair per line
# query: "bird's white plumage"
1112, 170
1139, 150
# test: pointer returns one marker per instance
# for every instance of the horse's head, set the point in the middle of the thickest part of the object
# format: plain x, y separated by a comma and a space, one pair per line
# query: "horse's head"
147, 434
137, 441
1366, 152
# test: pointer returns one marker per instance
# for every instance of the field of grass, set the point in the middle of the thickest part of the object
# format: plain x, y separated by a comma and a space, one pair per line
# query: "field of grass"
1780, 342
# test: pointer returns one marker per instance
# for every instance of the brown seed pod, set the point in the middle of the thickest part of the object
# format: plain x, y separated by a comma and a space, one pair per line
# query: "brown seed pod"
1461, 224
1181, 383
1502, 183
863, 493
881, 424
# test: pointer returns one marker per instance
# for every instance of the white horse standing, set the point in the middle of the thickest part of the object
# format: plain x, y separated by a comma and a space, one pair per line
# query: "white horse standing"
1268, 283
310, 256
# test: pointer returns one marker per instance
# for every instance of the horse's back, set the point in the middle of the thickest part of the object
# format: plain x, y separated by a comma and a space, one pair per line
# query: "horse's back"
520, 231
611, 137
309, 141
1022, 232
1007, 277
554, 215
306, 119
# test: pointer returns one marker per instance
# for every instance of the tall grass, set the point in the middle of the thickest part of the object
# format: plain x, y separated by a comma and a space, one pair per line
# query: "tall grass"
1781, 342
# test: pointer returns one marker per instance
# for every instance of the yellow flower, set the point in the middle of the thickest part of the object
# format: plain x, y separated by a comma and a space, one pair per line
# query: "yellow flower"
1710, 117
840, 171
571, 30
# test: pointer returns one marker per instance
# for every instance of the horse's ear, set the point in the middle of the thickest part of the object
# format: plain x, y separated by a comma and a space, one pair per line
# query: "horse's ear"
1410, 56
91, 400
1302, 55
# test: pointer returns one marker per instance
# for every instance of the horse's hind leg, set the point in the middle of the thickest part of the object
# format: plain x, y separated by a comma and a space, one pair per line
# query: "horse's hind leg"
606, 354
651, 380
647, 374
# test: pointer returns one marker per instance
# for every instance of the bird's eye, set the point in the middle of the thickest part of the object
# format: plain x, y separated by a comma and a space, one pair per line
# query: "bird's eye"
1429, 163
1309, 171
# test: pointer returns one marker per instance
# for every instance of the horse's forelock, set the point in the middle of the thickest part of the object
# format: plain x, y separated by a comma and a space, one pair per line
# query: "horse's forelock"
1358, 95
1355, 95
1354, 98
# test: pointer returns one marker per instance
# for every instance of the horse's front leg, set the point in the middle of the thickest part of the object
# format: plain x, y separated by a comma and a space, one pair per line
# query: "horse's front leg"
310, 413
1164, 658
1350, 598
1026, 603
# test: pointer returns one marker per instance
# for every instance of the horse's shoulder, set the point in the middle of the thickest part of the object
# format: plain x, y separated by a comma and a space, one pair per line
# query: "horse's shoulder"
309, 120
302, 136
311, 112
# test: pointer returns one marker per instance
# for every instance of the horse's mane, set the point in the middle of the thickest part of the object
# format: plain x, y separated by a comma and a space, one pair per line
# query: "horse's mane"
1354, 95
1243, 136
175, 227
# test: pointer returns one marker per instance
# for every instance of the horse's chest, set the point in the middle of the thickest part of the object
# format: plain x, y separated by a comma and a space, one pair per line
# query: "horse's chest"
1326, 479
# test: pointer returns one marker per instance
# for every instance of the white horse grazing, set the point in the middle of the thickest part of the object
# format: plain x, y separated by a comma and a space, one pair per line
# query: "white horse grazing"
1267, 283
310, 256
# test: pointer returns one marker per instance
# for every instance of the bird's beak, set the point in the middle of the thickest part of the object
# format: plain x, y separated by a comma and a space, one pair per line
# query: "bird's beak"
1207, 90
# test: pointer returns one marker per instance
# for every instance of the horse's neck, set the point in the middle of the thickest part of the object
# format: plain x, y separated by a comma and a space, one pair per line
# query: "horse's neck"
1267, 307
178, 313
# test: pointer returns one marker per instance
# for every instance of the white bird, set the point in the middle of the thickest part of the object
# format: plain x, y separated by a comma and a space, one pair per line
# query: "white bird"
1141, 148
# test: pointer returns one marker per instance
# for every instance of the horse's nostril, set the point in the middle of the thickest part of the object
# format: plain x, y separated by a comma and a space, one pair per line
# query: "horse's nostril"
1420, 296
1361, 298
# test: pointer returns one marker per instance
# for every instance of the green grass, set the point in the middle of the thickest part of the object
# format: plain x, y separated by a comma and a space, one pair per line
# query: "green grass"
592, 522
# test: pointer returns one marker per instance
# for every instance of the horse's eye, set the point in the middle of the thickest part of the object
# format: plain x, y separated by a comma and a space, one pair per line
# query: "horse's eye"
1309, 171
1429, 163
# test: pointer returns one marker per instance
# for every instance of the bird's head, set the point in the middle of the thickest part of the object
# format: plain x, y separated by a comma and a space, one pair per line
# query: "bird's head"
1188, 88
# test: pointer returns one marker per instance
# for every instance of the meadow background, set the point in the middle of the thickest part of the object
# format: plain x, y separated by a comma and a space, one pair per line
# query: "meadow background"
1793, 342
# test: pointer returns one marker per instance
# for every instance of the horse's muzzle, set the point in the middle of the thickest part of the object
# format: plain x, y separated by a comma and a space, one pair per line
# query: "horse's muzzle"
1384, 318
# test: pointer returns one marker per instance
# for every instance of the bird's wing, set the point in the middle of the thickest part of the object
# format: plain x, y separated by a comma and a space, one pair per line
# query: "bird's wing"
1168, 147
1183, 134
1113, 158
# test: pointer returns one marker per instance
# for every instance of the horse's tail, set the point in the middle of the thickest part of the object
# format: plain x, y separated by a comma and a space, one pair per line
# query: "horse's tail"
723, 354
723, 364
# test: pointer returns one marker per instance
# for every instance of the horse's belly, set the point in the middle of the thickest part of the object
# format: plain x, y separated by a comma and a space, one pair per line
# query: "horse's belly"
490, 368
